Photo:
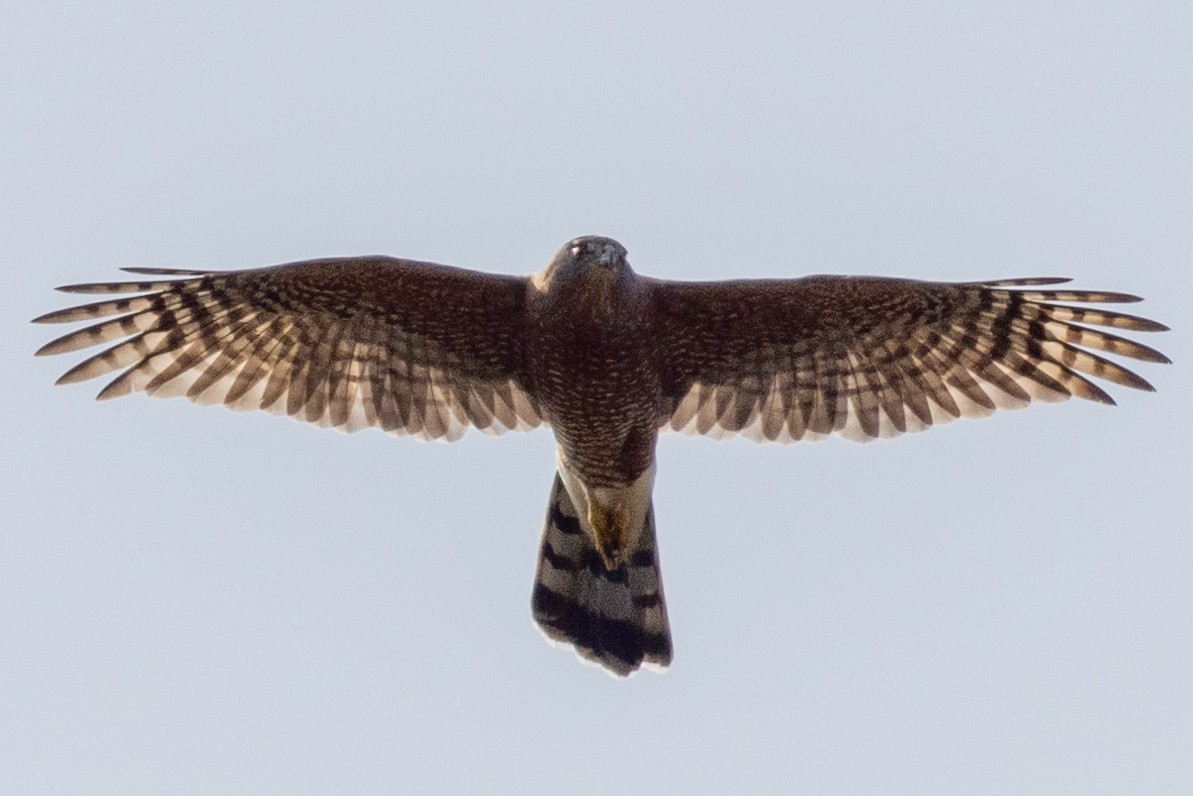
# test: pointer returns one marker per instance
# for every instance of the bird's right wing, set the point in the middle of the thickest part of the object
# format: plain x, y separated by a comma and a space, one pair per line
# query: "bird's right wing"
868, 357
409, 347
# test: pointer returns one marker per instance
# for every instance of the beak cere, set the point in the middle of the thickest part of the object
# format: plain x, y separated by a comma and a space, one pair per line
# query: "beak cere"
608, 254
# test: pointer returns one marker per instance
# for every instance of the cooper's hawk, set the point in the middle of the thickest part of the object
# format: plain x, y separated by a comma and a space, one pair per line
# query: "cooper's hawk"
608, 359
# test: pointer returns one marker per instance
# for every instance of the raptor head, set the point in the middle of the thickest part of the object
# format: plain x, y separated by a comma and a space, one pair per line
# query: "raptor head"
585, 262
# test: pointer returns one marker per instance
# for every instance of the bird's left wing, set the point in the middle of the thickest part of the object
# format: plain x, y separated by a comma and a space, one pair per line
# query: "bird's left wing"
868, 357
409, 347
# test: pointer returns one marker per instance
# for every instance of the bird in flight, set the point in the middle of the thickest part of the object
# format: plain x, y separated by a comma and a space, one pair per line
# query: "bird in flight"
607, 359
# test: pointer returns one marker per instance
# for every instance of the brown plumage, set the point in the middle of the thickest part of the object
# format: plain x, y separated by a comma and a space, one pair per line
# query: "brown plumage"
607, 359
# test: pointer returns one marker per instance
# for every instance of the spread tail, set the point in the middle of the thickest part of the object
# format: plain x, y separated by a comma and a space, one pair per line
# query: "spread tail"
616, 618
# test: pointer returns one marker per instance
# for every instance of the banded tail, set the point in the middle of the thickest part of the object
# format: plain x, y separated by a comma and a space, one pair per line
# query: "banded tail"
616, 618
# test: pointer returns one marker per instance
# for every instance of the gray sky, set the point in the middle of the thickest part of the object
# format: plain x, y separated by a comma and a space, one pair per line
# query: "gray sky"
193, 600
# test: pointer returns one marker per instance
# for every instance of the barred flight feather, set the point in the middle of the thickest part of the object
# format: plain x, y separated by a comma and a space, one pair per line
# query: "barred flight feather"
923, 354
276, 339
608, 359
615, 618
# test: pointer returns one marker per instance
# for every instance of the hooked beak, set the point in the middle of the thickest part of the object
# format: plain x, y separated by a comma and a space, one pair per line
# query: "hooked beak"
608, 255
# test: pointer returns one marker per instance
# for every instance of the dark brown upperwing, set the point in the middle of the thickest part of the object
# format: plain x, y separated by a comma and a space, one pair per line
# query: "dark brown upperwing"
869, 357
410, 347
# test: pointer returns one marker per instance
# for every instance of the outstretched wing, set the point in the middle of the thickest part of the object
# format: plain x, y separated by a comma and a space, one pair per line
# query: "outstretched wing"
868, 357
409, 347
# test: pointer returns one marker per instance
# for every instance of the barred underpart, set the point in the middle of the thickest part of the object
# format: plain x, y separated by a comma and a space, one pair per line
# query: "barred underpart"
608, 359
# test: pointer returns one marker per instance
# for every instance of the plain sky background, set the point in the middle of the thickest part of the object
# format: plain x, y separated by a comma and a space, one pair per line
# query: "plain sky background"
193, 600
